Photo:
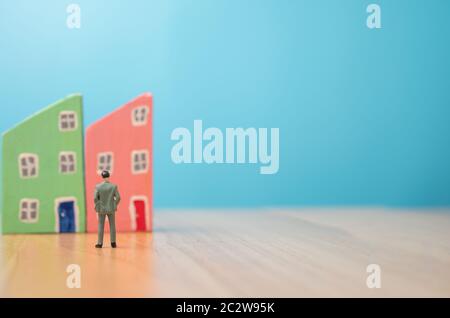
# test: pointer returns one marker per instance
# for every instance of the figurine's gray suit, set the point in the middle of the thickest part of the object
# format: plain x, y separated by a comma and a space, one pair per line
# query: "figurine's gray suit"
106, 199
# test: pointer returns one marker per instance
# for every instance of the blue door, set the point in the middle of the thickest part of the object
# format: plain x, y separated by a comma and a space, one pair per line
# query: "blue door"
66, 215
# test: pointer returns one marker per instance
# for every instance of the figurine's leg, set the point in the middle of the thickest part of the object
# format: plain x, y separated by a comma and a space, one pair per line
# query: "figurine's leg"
112, 227
101, 225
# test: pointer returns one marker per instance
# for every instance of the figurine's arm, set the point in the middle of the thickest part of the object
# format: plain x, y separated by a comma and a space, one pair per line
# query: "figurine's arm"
117, 195
96, 196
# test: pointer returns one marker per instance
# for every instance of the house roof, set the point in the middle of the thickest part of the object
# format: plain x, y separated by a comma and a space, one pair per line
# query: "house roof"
43, 110
112, 113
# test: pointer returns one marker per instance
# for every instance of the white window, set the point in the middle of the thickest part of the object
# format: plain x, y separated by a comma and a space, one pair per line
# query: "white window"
67, 162
28, 165
29, 210
105, 161
139, 115
139, 161
67, 121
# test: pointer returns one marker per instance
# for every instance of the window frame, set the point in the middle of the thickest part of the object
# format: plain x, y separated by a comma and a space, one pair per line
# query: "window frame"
28, 210
75, 117
144, 120
147, 157
111, 164
26, 155
67, 153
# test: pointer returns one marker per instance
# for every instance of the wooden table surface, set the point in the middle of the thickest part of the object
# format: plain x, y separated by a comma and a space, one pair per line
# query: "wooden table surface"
248, 253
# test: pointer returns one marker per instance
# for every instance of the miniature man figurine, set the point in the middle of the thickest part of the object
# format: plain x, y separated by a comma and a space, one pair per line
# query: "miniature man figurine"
106, 199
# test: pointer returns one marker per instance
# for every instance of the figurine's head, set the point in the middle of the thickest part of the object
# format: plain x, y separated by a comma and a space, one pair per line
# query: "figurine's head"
105, 174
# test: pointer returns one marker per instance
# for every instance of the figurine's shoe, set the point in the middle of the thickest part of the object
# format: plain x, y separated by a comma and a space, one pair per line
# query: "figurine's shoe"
113, 245
98, 246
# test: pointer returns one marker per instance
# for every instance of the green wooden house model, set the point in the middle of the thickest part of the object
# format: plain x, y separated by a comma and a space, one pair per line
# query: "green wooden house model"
43, 171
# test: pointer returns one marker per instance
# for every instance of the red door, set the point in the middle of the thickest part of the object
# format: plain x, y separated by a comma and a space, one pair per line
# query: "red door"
139, 207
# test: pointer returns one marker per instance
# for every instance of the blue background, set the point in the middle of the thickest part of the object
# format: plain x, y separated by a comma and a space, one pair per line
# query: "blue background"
363, 114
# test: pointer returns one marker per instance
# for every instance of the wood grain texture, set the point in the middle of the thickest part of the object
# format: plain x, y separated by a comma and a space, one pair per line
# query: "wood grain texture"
230, 253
